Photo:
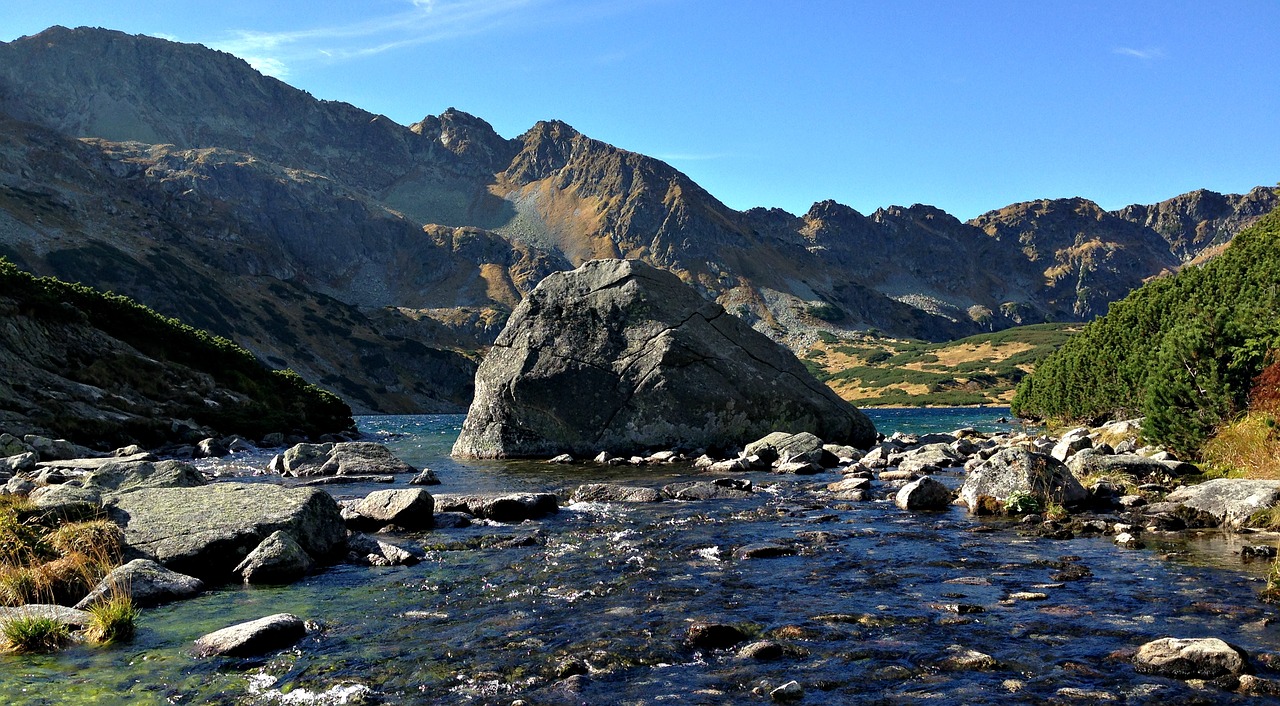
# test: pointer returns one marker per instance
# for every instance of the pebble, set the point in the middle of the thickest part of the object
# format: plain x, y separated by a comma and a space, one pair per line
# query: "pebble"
791, 691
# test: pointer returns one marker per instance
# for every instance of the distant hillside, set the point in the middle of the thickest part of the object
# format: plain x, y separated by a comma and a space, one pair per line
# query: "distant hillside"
376, 258
1182, 351
102, 370
981, 369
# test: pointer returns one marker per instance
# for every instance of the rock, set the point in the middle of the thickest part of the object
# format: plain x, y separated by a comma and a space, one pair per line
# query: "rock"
211, 448
425, 477
1070, 443
762, 651
609, 493
1190, 658
70, 617
791, 691
11, 445
58, 449
930, 457
1086, 463
18, 486
618, 354
122, 476
347, 480
733, 465
18, 463
923, 495
713, 636
962, 659
347, 458
278, 559
302, 460
799, 468
844, 454
849, 484
409, 508
1229, 501
784, 446
1016, 470
146, 582
207, 531
93, 464
274, 440
369, 550
892, 476
501, 507
1129, 541
67, 502
452, 520
764, 550
256, 637
719, 489
562, 459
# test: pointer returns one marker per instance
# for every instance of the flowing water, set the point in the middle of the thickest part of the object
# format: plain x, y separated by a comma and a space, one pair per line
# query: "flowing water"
876, 605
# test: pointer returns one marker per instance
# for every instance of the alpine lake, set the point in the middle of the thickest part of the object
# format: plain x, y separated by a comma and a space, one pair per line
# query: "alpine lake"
876, 605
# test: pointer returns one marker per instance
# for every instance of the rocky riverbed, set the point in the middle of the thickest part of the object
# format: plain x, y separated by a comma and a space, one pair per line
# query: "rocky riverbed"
766, 579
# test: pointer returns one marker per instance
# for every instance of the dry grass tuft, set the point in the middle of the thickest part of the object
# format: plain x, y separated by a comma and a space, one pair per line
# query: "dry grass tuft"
1250, 445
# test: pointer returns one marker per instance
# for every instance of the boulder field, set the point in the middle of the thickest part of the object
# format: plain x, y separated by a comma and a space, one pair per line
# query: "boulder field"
618, 355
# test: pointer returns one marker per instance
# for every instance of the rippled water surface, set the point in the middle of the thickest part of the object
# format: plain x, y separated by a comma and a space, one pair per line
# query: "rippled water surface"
875, 606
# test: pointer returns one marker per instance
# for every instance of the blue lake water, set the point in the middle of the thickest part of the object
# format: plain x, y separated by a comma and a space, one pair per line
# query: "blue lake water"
874, 605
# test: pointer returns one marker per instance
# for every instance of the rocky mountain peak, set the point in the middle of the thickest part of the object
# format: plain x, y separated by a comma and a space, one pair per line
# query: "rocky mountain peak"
469, 137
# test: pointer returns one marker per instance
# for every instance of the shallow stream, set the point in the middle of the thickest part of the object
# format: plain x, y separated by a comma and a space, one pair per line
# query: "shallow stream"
876, 605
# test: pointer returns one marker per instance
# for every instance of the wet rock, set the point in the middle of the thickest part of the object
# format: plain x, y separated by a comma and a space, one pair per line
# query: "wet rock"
146, 582
1190, 658
1251, 685
375, 552
664, 457
561, 459
762, 651
425, 477
274, 440
252, 638
733, 465
791, 691
718, 489
963, 659
1028, 596
1129, 541
208, 530
1090, 462
925, 494
211, 448
1229, 501
714, 635
618, 354
609, 493
347, 480
1086, 695
843, 454
301, 460
347, 458
412, 508
453, 520
123, 476
501, 507
571, 667
1017, 470
278, 559
764, 550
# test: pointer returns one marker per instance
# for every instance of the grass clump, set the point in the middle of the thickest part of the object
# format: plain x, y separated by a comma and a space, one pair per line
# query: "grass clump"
112, 619
1019, 503
34, 634
1250, 445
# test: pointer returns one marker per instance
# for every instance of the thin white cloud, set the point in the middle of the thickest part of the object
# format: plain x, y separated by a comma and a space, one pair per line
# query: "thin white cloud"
1144, 54
420, 22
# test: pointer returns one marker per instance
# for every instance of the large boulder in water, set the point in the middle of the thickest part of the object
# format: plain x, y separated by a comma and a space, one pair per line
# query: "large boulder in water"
622, 356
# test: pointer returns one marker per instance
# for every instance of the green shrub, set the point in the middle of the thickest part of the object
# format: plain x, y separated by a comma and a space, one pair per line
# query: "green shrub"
32, 633
113, 619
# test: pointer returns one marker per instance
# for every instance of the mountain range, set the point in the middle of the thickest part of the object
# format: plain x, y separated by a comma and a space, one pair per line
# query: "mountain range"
377, 259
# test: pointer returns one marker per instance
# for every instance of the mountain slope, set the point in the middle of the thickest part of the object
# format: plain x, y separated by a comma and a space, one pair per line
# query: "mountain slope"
366, 254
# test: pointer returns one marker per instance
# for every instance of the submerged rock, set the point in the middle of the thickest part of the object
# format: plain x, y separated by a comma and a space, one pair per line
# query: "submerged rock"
609, 493
620, 355
255, 637
714, 635
500, 507
718, 489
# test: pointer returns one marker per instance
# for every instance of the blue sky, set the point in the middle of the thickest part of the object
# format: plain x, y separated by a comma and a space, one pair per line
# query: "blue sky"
964, 105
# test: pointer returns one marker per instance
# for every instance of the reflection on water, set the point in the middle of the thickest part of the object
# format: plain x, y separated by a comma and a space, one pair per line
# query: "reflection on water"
873, 606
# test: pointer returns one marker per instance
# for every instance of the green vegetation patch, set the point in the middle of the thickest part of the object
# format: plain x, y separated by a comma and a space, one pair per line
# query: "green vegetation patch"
280, 400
